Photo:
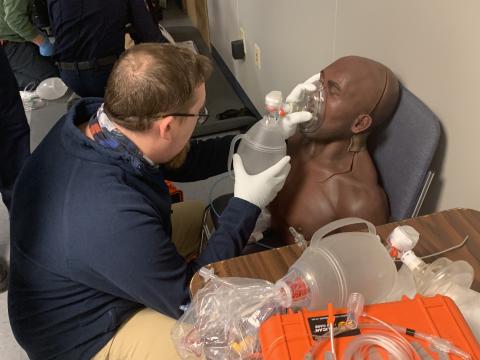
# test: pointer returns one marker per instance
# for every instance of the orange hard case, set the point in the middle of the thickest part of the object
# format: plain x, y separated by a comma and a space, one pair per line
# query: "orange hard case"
289, 336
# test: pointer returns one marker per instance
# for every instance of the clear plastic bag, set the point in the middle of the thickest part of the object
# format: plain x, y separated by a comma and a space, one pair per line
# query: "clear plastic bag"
223, 319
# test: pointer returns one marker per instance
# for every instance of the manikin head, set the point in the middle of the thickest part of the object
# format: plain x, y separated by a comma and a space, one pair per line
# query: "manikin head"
360, 94
155, 95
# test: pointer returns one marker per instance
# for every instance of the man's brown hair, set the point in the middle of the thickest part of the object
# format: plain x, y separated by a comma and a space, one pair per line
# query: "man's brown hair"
151, 80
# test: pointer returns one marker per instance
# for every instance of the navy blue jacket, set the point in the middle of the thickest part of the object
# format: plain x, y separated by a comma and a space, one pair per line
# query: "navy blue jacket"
90, 240
91, 29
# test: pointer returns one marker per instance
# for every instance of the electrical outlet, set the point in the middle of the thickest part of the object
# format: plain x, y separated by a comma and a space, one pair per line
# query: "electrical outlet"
244, 39
258, 57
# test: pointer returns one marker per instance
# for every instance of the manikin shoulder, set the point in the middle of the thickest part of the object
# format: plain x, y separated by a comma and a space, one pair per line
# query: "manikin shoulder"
358, 192
316, 194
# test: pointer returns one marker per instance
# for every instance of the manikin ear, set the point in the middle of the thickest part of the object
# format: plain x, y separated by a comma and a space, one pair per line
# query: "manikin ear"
165, 127
361, 123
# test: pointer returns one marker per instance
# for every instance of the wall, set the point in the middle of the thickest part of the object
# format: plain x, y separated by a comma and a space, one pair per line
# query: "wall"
432, 45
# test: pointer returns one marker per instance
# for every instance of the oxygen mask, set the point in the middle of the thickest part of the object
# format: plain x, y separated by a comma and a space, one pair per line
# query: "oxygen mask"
313, 102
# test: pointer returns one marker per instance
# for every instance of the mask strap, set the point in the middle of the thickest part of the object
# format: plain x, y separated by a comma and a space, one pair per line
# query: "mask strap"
358, 142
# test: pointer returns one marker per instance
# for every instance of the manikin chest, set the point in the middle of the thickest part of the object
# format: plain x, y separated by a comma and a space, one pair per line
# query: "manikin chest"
305, 202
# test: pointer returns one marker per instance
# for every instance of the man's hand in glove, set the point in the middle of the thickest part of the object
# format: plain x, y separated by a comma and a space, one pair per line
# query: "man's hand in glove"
259, 189
289, 122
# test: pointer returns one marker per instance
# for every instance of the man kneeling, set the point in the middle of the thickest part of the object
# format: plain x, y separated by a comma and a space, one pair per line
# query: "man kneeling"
92, 260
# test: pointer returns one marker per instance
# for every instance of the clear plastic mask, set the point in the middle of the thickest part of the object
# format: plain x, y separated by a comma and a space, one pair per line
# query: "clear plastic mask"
51, 89
314, 103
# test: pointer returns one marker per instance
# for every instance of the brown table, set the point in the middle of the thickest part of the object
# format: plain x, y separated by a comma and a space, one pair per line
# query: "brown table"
438, 231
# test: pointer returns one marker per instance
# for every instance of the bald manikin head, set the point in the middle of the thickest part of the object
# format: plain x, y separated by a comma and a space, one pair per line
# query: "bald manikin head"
360, 94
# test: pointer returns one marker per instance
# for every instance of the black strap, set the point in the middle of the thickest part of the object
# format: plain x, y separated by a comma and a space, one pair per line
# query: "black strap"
87, 65
410, 332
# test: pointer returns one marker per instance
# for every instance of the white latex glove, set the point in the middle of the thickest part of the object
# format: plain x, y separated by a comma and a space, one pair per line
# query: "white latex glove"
259, 189
298, 91
289, 122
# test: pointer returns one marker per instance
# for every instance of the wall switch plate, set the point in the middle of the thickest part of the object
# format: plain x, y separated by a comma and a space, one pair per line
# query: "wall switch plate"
258, 57
238, 50
244, 39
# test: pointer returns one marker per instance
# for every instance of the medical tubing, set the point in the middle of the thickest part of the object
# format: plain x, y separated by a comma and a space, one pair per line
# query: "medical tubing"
384, 325
30, 99
30, 86
210, 193
355, 305
436, 342
447, 250
445, 346
395, 344
360, 344
311, 354
332, 343
441, 252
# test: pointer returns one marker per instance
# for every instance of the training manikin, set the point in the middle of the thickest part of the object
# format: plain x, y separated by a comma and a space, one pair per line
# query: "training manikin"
332, 174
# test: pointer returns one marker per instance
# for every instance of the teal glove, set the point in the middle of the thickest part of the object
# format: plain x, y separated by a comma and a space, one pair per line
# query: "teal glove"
46, 48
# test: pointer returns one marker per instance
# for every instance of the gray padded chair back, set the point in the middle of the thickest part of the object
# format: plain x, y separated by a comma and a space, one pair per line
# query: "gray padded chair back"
402, 151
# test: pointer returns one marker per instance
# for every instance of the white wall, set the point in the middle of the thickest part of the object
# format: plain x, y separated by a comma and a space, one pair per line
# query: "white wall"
284, 34
432, 46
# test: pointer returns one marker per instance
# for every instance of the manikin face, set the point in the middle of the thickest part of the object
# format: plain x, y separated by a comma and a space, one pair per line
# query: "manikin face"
186, 126
352, 87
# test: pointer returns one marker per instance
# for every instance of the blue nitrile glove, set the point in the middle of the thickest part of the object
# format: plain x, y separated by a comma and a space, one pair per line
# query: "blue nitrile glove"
46, 48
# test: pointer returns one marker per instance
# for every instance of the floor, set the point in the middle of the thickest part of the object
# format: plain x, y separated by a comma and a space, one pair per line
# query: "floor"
41, 120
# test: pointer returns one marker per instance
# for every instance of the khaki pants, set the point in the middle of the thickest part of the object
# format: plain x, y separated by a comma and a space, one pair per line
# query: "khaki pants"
146, 335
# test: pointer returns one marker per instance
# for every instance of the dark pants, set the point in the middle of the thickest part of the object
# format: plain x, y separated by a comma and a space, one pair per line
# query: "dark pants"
27, 64
87, 82
14, 131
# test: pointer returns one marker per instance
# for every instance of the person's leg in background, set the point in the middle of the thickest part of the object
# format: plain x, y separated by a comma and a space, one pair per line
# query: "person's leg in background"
87, 82
14, 140
28, 65
187, 221
14, 131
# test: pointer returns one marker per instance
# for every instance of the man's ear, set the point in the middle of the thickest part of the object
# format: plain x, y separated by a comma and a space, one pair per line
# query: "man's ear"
361, 123
165, 127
